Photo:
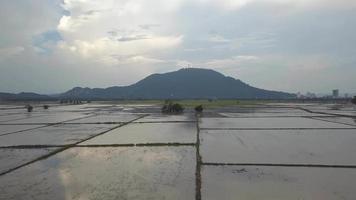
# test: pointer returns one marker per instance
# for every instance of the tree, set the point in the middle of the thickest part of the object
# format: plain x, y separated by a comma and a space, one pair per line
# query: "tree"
29, 108
172, 108
353, 100
199, 108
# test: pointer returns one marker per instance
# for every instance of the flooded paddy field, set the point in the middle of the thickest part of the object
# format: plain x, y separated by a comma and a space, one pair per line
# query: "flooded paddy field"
133, 151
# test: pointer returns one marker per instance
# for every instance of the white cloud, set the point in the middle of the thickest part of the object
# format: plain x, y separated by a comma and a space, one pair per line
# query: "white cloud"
309, 64
97, 30
233, 5
233, 62
184, 64
217, 38
125, 40
102, 49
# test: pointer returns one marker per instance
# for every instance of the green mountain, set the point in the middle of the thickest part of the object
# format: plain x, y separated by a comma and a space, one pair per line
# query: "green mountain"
188, 83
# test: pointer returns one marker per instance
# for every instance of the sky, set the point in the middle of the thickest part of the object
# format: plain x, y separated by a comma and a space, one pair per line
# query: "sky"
51, 46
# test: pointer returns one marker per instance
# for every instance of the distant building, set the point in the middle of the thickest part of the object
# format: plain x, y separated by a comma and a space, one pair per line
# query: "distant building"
336, 93
299, 95
310, 95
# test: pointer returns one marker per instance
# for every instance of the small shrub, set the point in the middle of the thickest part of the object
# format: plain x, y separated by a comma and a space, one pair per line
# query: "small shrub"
335, 107
164, 108
177, 108
45, 107
29, 108
353, 100
63, 101
199, 108
172, 108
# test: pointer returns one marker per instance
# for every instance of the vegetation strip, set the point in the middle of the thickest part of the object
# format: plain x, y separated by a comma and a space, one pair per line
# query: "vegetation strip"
31, 146
105, 145
165, 144
99, 145
79, 123
65, 147
160, 122
280, 165
198, 164
12, 120
60, 123
138, 145
324, 113
325, 120
280, 116
277, 129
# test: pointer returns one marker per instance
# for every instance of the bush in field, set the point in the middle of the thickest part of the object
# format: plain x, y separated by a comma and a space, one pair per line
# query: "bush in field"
177, 108
335, 107
63, 101
353, 100
45, 107
29, 108
77, 102
199, 108
172, 108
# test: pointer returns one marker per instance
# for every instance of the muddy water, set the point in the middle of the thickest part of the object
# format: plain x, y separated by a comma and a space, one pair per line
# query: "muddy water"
148, 133
54, 135
343, 120
107, 118
165, 118
5, 129
328, 147
277, 183
51, 117
11, 158
267, 122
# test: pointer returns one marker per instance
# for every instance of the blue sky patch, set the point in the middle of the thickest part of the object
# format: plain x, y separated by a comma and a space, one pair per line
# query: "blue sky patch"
44, 41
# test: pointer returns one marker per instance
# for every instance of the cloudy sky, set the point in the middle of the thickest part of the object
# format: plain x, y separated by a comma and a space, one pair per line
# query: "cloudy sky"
50, 46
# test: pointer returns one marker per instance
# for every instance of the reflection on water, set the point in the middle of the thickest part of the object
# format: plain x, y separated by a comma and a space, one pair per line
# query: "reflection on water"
149, 133
11, 158
106, 173
328, 147
277, 183
54, 135
268, 122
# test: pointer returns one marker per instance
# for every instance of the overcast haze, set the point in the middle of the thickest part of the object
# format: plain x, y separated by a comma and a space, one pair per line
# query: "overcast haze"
288, 45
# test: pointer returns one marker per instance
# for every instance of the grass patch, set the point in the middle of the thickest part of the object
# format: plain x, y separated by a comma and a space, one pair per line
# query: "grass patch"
215, 103
190, 103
